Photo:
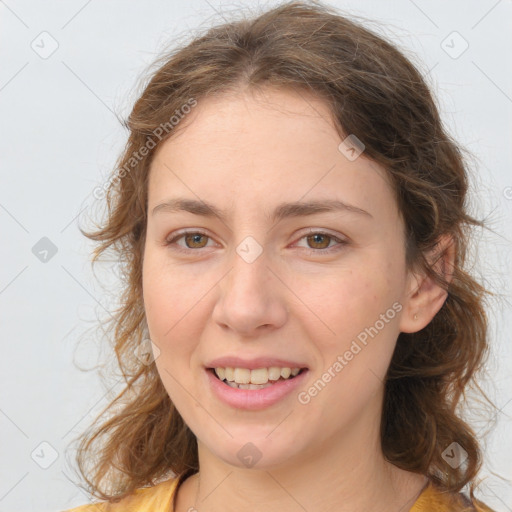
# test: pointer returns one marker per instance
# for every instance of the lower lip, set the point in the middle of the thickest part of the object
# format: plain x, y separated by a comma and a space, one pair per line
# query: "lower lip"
254, 399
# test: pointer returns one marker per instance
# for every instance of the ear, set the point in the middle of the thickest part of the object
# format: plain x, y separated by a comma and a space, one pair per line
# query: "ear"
425, 297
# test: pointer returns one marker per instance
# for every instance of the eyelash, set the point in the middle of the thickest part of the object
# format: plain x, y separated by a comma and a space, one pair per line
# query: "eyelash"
341, 243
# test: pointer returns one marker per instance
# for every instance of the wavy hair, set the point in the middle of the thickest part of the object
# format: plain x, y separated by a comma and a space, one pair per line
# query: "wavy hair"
374, 92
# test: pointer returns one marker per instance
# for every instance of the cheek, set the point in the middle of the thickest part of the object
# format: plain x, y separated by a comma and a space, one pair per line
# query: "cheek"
348, 300
333, 304
172, 302
172, 305
360, 308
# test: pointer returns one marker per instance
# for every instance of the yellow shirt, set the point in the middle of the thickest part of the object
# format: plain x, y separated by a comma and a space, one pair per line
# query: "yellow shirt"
159, 498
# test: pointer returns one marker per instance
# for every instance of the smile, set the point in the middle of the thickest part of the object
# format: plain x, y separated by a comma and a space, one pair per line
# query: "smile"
259, 378
225, 385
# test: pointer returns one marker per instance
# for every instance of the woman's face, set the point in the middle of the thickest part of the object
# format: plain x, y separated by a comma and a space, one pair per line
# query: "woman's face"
273, 285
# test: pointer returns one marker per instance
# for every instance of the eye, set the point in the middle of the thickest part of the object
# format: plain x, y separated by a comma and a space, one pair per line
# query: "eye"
319, 241
193, 240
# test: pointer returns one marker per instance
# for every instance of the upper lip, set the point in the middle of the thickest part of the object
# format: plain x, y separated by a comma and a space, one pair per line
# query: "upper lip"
252, 364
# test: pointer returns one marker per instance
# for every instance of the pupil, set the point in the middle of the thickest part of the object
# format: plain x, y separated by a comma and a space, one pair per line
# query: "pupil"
194, 239
319, 239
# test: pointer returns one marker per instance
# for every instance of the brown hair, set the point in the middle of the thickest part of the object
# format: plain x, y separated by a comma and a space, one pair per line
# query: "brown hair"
374, 92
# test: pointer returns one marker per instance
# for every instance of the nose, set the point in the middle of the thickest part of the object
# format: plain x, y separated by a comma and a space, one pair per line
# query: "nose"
252, 298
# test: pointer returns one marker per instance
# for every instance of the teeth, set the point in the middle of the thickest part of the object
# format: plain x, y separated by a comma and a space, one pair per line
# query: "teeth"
229, 373
257, 377
243, 376
274, 373
248, 386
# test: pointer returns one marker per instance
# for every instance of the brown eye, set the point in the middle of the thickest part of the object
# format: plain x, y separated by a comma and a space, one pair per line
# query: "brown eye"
319, 240
195, 238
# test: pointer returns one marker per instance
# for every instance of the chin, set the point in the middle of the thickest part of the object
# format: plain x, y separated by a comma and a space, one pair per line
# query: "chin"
258, 452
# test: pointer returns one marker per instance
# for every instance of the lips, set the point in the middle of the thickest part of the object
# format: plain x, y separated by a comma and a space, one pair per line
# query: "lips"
253, 364
254, 399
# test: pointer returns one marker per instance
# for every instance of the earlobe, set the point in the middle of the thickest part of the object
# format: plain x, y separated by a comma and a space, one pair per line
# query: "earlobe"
425, 296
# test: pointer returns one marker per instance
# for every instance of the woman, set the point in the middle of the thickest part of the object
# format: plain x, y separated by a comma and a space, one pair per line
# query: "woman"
292, 217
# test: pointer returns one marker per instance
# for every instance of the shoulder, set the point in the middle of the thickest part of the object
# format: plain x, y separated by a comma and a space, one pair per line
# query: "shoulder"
157, 498
433, 499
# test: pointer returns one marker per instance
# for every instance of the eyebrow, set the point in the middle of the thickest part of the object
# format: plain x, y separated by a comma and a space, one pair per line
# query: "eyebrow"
282, 211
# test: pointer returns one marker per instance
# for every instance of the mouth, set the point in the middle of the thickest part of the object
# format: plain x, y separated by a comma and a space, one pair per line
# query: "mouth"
259, 378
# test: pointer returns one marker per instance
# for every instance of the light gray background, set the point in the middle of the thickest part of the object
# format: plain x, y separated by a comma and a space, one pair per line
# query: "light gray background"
59, 139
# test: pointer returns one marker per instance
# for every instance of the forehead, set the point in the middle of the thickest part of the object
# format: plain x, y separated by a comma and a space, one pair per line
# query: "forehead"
262, 147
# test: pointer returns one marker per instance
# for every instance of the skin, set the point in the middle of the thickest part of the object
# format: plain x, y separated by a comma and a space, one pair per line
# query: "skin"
246, 152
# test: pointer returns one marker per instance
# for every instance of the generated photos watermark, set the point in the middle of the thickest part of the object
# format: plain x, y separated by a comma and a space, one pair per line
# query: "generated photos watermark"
158, 133
357, 345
